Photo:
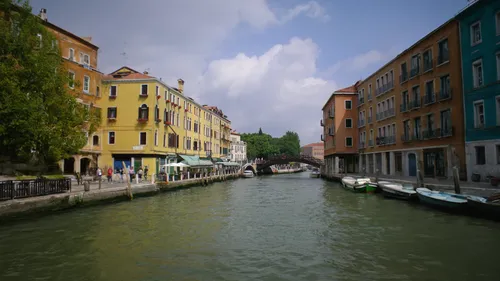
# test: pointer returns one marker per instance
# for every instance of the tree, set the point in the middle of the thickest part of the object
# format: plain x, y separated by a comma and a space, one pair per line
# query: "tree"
41, 119
260, 131
261, 145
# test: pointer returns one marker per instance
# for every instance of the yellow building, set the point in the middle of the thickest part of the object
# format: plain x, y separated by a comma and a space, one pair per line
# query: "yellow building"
147, 123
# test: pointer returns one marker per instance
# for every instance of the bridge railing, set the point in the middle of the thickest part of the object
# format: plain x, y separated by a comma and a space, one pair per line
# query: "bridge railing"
298, 158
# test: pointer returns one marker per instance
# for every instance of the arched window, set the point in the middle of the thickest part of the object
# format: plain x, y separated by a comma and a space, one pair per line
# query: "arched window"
143, 112
95, 140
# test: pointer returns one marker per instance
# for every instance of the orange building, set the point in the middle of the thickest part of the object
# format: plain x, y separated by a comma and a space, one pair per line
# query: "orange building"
410, 111
80, 59
315, 150
340, 132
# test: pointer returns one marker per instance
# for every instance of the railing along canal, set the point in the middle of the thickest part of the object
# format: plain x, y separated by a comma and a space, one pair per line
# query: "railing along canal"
13, 189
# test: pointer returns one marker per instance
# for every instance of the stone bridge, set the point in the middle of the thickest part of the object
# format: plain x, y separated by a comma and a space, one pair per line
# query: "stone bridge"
285, 159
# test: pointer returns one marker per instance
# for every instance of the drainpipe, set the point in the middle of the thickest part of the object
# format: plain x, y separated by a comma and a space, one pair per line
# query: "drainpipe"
463, 101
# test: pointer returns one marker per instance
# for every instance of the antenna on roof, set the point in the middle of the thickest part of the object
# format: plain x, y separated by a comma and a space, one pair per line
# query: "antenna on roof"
124, 54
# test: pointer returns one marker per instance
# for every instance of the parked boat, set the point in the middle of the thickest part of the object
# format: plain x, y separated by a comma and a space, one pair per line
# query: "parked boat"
315, 173
397, 190
358, 184
248, 174
485, 207
443, 200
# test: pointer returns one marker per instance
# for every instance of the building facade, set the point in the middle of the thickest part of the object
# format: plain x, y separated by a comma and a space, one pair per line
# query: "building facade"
410, 111
238, 149
480, 47
315, 150
340, 133
80, 58
148, 123
221, 128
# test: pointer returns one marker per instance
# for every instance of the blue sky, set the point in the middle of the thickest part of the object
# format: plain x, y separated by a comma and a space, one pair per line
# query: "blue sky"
269, 64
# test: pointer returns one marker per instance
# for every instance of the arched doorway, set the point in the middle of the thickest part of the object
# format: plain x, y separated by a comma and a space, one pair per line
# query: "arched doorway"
69, 166
412, 165
84, 166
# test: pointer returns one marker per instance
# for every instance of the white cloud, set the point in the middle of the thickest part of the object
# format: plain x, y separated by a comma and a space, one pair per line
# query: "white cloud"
312, 9
278, 90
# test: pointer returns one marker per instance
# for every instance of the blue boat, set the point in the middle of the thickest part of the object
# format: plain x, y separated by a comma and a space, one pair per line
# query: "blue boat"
445, 200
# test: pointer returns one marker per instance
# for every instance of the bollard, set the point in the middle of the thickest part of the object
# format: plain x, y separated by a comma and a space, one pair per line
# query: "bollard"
100, 180
153, 176
86, 185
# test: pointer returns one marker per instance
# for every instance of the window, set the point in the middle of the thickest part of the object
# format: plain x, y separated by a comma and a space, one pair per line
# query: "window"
348, 141
429, 92
370, 92
415, 65
348, 104
497, 21
428, 60
71, 77
164, 139
71, 55
404, 73
143, 112
157, 91
86, 84
39, 40
479, 114
95, 140
111, 137
113, 91
475, 33
86, 59
348, 123
480, 155
156, 137
97, 91
444, 55
406, 129
112, 112
142, 138
157, 114
477, 72
497, 102
430, 123
498, 66
144, 90
446, 129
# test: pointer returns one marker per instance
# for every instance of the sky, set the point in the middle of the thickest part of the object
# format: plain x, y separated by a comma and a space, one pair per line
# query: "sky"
267, 64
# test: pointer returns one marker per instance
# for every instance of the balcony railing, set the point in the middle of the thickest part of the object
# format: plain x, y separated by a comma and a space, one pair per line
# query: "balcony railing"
403, 77
403, 107
414, 72
331, 113
437, 133
369, 96
444, 57
429, 98
361, 123
361, 145
406, 137
370, 119
361, 101
322, 138
370, 143
386, 114
428, 65
444, 95
331, 132
414, 103
321, 123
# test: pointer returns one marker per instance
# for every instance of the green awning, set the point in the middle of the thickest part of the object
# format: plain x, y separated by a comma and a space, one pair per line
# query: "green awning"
217, 160
231, 164
195, 161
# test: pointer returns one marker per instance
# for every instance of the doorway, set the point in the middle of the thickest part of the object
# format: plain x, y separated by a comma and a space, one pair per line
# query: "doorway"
412, 165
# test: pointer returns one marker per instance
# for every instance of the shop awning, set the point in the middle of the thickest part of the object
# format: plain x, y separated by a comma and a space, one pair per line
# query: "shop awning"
230, 164
194, 161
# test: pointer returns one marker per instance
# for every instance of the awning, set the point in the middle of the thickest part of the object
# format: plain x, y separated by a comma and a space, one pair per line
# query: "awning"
194, 161
217, 160
230, 164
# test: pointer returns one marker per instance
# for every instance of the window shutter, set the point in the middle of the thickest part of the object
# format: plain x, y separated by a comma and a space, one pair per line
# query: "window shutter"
147, 112
139, 114
109, 112
177, 141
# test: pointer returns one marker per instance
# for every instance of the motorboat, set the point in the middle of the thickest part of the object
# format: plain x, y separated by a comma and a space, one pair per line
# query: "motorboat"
397, 190
485, 207
445, 200
248, 174
315, 173
358, 184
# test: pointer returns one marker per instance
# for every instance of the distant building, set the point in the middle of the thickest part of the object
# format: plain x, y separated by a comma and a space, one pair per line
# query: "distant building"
315, 150
238, 152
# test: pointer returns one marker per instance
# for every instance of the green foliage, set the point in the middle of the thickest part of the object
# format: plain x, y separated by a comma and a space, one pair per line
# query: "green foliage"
261, 145
40, 118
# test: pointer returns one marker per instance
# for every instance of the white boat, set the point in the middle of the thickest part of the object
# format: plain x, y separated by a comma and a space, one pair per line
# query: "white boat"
248, 174
397, 190
357, 184
315, 173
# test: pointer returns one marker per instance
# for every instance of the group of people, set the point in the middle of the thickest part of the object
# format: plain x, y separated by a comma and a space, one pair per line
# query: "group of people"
141, 174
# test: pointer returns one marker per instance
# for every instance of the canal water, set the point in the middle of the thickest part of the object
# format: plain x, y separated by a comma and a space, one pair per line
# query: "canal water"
283, 227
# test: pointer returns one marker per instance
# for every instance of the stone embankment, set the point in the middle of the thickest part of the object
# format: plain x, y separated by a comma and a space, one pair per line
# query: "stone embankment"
12, 209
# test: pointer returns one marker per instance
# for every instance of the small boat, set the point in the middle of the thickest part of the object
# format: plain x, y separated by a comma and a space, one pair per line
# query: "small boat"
315, 173
443, 200
397, 190
248, 174
485, 207
358, 184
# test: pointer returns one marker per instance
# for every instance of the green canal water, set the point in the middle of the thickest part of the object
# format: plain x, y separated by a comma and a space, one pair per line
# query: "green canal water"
284, 227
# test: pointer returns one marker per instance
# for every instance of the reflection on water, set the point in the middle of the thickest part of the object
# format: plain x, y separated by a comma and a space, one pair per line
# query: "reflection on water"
285, 227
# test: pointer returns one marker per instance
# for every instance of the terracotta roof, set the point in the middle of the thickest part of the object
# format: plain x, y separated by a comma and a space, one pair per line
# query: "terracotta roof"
134, 74
348, 90
314, 144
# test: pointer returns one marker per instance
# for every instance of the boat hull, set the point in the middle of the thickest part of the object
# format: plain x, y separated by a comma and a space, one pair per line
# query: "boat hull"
314, 175
394, 193
359, 188
459, 205
484, 209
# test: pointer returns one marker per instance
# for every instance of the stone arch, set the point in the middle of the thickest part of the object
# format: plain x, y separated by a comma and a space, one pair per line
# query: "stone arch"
69, 165
85, 162
249, 167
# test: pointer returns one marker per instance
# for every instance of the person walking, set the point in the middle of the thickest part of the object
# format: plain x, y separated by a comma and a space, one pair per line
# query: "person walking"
110, 175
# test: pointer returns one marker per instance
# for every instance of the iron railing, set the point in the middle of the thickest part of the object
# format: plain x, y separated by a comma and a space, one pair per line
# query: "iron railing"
13, 189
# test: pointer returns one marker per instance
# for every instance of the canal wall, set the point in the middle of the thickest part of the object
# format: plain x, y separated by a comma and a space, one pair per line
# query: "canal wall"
43, 205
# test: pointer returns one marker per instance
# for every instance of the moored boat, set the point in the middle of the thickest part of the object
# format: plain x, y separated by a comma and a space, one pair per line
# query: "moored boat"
358, 184
315, 173
397, 190
248, 174
444, 200
484, 207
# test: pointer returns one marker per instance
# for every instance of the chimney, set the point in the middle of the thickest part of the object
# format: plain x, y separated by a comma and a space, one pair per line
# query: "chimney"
145, 73
43, 14
180, 85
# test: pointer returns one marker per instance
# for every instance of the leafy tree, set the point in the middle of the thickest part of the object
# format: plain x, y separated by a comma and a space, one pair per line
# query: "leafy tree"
260, 131
263, 145
40, 117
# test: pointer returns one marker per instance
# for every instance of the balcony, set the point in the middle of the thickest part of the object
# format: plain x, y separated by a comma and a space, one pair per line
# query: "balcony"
321, 123
322, 138
386, 140
444, 57
331, 113
361, 123
386, 114
414, 103
361, 145
361, 101
331, 131
403, 107
444, 95
142, 120
405, 138
403, 77
429, 98
414, 72
428, 64
369, 96
370, 120
370, 143
437, 133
